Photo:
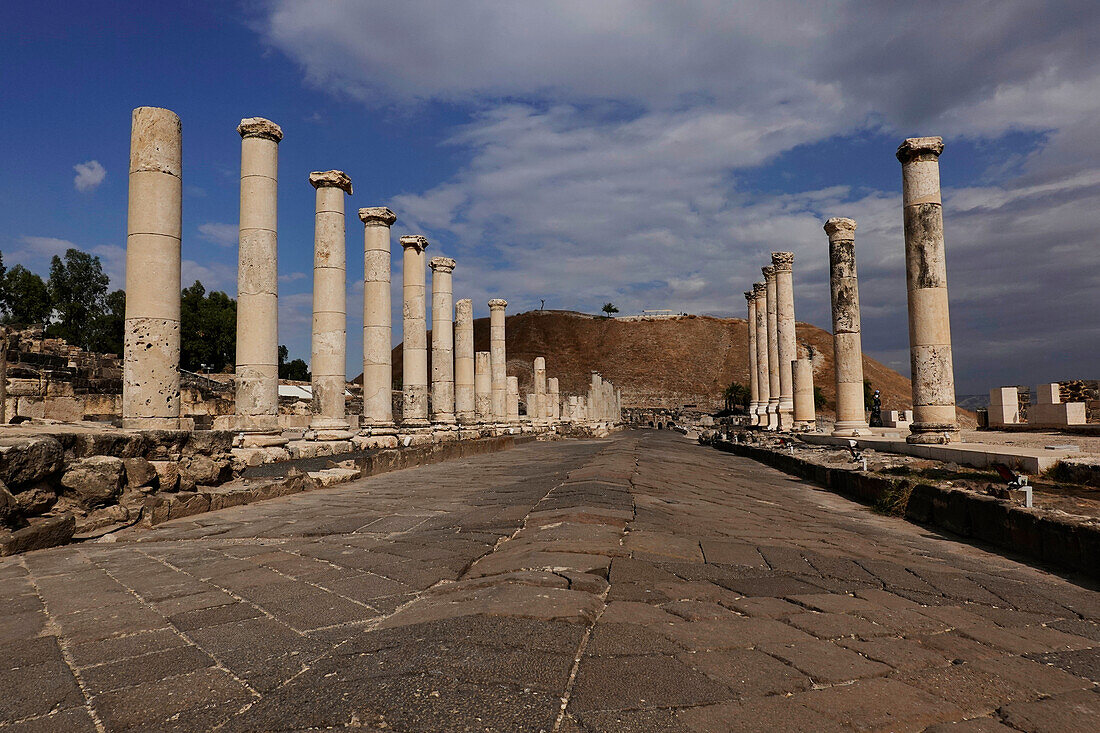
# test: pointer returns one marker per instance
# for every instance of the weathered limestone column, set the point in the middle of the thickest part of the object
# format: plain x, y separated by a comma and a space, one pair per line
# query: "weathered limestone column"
443, 338
499, 358
773, 347
377, 315
483, 387
329, 352
754, 383
763, 382
151, 376
805, 416
847, 347
595, 389
511, 396
933, 378
555, 399
414, 372
464, 362
540, 391
782, 263
257, 368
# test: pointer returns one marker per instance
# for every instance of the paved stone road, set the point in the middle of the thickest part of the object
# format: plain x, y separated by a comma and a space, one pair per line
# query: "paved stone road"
471, 596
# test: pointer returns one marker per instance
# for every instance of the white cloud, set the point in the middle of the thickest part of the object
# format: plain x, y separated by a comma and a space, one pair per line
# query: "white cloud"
226, 235
89, 175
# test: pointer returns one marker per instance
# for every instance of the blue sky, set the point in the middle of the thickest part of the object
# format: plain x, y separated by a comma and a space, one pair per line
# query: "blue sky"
579, 152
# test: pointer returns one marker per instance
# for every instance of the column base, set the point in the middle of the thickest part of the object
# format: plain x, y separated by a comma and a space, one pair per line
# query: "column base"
850, 429
151, 423
773, 417
410, 435
804, 426
933, 433
328, 435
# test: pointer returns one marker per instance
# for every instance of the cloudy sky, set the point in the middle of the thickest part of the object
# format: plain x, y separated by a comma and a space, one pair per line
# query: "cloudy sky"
648, 153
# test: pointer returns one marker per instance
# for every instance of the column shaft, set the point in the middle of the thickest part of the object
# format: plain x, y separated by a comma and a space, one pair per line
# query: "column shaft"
934, 418
540, 413
555, 399
414, 356
511, 396
483, 387
443, 338
805, 415
763, 381
377, 319
499, 358
464, 362
773, 347
754, 384
151, 355
847, 345
782, 262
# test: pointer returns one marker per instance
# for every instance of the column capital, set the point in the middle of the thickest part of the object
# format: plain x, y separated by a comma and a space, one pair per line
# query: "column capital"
464, 304
840, 228
768, 271
498, 304
750, 295
377, 216
337, 179
759, 290
259, 127
441, 264
419, 242
782, 261
920, 148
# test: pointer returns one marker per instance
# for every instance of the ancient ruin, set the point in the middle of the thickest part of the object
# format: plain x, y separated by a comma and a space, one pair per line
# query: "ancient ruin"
847, 343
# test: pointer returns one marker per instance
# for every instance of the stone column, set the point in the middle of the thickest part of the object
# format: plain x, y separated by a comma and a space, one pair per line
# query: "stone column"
151, 354
483, 387
499, 358
805, 416
555, 400
329, 352
464, 362
511, 396
593, 403
754, 383
773, 347
377, 315
847, 347
934, 419
540, 390
414, 351
257, 369
763, 382
443, 337
782, 263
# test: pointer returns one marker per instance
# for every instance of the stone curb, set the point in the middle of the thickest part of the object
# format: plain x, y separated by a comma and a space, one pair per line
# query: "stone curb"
1065, 542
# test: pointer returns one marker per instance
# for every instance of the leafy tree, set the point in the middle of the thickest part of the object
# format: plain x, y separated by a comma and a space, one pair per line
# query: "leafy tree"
208, 329
108, 329
736, 394
868, 394
609, 309
78, 288
24, 297
296, 370
819, 398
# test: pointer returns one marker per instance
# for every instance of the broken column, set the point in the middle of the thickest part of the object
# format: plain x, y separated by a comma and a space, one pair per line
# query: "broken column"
763, 382
933, 378
851, 418
773, 347
554, 398
443, 336
483, 387
805, 415
511, 396
414, 350
499, 358
539, 415
151, 356
782, 263
754, 384
377, 318
595, 413
464, 362
329, 352
257, 361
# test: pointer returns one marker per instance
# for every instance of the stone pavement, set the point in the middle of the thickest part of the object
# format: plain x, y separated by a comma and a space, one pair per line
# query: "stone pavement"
640, 583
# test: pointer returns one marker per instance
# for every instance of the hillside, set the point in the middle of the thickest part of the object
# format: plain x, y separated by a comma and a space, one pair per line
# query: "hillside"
688, 360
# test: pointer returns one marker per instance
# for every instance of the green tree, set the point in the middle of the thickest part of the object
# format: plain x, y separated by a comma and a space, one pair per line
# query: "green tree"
736, 394
868, 394
296, 370
819, 398
609, 309
108, 329
78, 288
208, 329
25, 297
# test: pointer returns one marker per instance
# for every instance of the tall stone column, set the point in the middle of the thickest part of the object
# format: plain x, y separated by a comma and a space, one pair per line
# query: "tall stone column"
511, 396
499, 358
464, 362
773, 347
782, 263
257, 361
763, 381
847, 346
151, 353
414, 356
329, 352
483, 387
754, 383
555, 399
933, 378
377, 319
443, 338
540, 390
805, 415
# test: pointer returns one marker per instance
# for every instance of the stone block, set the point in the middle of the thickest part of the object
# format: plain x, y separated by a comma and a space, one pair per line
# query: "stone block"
168, 474
27, 461
139, 472
94, 481
41, 533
